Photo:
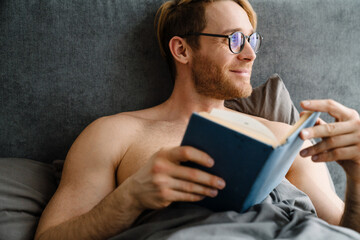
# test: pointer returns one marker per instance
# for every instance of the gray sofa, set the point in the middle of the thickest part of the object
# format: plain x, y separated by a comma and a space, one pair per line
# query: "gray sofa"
65, 63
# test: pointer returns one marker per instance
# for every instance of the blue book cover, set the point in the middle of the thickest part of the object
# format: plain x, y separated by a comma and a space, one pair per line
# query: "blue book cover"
252, 168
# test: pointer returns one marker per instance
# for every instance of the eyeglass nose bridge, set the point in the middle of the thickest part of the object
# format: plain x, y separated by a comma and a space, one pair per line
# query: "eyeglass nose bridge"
247, 39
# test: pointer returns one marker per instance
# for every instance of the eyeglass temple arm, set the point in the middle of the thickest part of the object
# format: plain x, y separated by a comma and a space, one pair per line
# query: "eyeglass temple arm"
206, 34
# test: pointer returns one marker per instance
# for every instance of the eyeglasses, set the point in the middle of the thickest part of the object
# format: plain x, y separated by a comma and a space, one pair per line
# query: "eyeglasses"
236, 40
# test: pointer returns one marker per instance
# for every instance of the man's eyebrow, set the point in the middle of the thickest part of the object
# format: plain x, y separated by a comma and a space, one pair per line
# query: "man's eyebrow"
228, 31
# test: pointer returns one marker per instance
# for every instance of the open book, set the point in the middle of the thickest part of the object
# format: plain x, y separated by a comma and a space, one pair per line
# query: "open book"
247, 155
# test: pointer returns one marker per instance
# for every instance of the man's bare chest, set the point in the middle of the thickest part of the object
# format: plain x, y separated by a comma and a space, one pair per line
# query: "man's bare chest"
148, 141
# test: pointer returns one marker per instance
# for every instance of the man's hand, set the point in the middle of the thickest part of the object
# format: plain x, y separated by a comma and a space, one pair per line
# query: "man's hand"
341, 139
162, 180
340, 143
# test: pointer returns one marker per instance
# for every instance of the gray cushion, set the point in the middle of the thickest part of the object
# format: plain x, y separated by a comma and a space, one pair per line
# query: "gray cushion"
270, 100
25, 188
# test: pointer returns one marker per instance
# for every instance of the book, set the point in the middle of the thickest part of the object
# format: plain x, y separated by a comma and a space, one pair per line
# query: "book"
247, 155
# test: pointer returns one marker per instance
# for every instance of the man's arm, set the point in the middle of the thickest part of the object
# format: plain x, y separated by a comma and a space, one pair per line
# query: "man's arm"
313, 179
79, 208
112, 215
341, 143
351, 217
88, 205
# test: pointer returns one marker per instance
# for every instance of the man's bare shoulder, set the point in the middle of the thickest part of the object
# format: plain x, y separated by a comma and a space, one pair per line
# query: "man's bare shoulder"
122, 126
126, 121
111, 135
113, 125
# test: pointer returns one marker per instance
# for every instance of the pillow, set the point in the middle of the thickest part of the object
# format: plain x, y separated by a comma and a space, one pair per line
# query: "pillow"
270, 100
26, 186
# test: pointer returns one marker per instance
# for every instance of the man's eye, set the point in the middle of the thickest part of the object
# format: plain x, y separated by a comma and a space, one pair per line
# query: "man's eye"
234, 42
235, 39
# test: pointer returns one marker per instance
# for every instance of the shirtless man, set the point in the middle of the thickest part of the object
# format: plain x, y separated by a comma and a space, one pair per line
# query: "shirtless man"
121, 165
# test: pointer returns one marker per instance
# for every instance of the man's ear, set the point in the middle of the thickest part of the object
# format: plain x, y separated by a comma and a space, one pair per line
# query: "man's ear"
179, 49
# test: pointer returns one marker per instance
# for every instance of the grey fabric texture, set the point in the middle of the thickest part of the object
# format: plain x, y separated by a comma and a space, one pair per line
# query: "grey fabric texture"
286, 213
65, 63
270, 100
25, 188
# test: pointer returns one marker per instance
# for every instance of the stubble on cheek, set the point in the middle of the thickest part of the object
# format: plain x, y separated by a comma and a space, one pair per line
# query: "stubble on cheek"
214, 81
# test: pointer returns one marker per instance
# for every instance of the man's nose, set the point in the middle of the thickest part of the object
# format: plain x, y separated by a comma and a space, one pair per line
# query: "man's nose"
247, 54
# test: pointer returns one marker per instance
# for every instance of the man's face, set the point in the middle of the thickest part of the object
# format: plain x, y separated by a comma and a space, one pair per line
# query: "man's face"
216, 71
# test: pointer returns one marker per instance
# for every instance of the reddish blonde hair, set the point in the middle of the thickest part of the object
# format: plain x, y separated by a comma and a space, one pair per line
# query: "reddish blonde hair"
179, 17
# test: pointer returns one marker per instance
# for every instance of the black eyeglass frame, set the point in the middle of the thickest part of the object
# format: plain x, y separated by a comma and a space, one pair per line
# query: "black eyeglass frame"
228, 37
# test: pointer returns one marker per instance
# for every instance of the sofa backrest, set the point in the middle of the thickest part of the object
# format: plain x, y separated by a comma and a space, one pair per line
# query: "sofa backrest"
65, 63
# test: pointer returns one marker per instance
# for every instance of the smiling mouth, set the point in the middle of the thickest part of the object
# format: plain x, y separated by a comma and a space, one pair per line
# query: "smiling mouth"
245, 73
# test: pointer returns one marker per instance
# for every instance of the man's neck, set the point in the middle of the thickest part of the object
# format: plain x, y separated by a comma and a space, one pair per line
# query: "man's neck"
184, 100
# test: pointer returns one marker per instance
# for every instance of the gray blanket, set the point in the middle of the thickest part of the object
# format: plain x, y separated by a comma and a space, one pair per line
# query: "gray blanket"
286, 213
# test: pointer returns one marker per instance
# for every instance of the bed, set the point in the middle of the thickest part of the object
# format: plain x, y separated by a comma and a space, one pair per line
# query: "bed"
66, 63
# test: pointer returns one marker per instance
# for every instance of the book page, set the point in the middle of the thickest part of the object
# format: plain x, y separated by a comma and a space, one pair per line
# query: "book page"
244, 121
243, 127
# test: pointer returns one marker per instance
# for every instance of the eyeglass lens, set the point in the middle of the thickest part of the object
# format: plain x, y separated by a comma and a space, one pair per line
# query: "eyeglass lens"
237, 41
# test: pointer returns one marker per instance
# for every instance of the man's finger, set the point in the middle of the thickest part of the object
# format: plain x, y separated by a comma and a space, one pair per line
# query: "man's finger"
190, 187
178, 196
330, 143
319, 121
328, 130
335, 109
337, 154
187, 153
197, 176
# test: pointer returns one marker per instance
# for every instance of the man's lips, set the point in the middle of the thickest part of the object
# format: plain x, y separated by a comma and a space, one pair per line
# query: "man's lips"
242, 72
